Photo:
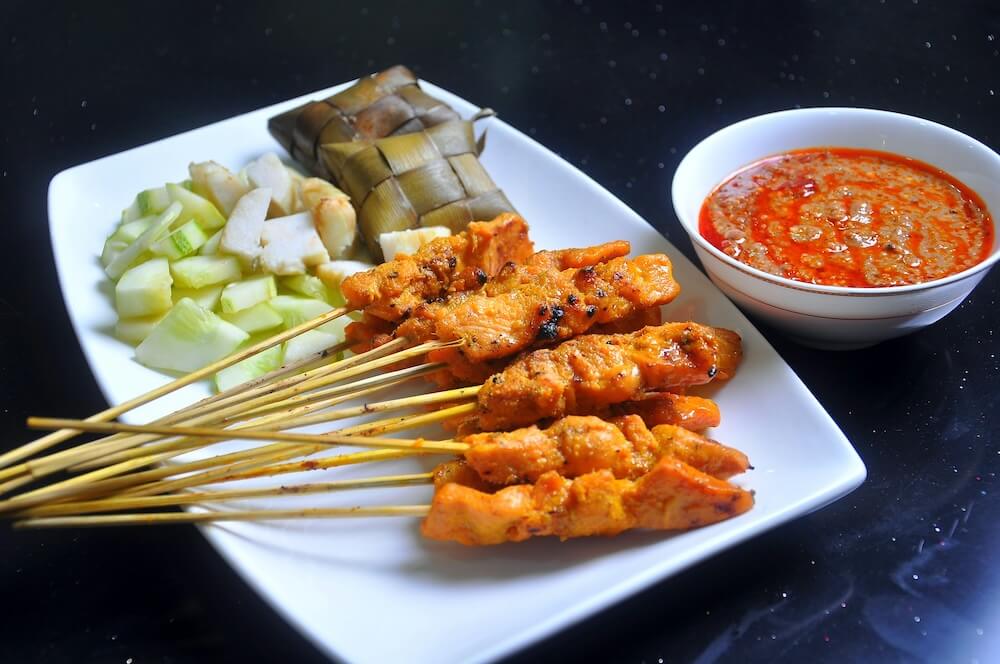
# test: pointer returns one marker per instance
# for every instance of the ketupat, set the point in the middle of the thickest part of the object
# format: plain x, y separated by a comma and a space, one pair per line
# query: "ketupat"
390, 102
429, 178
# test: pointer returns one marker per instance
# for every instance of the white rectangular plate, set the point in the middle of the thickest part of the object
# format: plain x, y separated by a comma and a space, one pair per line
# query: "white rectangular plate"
373, 590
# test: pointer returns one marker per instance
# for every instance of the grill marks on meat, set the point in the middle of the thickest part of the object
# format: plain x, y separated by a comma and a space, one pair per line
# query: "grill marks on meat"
547, 306
577, 445
589, 373
671, 496
445, 265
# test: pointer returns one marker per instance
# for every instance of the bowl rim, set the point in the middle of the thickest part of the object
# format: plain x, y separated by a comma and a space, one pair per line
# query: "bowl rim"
851, 291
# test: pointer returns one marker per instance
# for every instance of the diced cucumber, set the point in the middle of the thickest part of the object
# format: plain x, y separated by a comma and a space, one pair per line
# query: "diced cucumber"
297, 310
201, 271
201, 209
150, 202
310, 342
130, 232
211, 247
185, 240
112, 248
188, 338
144, 290
257, 318
250, 368
153, 201
308, 285
241, 295
207, 297
127, 257
134, 330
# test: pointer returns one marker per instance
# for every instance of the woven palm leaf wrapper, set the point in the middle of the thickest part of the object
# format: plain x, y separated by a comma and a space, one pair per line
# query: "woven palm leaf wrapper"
429, 178
388, 103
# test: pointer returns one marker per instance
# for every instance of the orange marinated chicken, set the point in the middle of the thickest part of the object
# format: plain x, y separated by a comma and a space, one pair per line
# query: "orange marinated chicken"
591, 372
549, 307
707, 455
445, 265
374, 331
671, 496
577, 445
639, 319
690, 412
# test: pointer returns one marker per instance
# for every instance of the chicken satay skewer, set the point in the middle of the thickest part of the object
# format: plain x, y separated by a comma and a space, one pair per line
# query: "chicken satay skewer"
573, 446
672, 496
703, 454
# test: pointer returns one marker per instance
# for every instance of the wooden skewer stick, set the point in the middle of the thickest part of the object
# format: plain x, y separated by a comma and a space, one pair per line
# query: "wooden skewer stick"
57, 437
273, 422
278, 452
194, 498
224, 467
164, 518
324, 463
446, 447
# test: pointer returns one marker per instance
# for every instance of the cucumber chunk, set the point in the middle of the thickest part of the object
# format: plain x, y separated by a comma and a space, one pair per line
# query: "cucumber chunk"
308, 285
311, 342
196, 207
241, 295
153, 201
201, 271
112, 248
183, 241
250, 368
207, 297
150, 202
144, 290
211, 247
296, 310
126, 258
188, 338
134, 330
257, 318
130, 232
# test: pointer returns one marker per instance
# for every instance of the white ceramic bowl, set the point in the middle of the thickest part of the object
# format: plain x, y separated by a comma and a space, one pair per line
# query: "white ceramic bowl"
835, 317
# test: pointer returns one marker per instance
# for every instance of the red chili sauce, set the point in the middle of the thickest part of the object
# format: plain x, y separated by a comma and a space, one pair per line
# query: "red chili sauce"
848, 217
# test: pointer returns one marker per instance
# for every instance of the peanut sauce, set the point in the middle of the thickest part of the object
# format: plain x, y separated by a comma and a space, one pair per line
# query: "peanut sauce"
848, 217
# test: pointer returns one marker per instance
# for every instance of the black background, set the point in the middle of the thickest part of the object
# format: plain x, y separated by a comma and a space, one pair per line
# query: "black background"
901, 570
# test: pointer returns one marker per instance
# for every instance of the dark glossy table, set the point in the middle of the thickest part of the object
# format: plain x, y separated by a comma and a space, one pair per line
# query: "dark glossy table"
901, 570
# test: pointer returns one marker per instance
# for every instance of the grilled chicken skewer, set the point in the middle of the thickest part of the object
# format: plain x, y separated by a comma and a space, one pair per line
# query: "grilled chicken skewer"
576, 445
671, 496
591, 372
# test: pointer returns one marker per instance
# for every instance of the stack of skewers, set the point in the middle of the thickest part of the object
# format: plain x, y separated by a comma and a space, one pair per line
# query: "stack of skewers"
561, 391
